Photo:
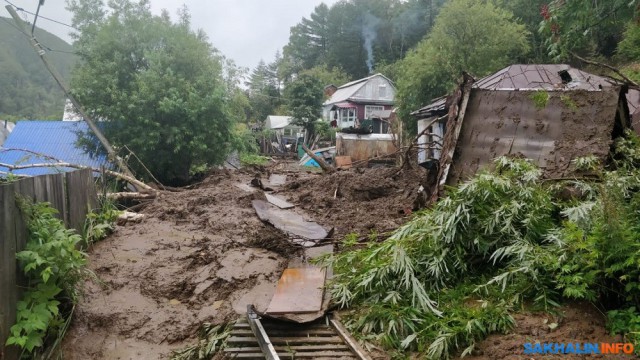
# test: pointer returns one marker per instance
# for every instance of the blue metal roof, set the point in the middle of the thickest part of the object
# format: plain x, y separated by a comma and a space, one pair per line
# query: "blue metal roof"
57, 139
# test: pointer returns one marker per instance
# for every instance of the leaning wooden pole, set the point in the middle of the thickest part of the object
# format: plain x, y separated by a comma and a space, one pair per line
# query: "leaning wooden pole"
323, 164
52, 70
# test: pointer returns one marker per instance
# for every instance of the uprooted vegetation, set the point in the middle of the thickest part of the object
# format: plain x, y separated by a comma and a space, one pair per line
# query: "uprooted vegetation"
506, 239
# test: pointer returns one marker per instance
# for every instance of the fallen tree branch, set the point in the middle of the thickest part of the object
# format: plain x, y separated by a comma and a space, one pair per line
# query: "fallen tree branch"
323, 165
615, 70
124, 177
130, 196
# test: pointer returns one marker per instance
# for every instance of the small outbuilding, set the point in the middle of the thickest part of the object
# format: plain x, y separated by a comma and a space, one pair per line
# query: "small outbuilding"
551, 114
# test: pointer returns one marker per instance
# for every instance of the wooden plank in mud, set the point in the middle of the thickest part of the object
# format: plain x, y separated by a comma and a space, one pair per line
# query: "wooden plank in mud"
299, 290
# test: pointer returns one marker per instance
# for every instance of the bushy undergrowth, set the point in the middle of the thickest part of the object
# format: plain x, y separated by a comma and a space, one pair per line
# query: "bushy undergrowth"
503, 239
52, 265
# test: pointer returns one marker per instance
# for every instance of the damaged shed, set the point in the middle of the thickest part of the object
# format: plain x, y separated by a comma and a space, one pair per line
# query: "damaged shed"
551, 114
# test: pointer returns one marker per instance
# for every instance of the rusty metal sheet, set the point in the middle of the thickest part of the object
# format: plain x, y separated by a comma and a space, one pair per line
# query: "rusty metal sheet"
541, 76
290, 222
572, 124
299, 290
281, 203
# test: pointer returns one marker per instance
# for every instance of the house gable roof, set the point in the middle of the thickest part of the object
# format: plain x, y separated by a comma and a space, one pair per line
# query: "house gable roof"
355, 91
57, 139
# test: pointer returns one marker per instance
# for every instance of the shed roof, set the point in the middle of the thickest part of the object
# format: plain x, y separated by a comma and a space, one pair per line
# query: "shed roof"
277, 122
543, 77
57, 139
537, 77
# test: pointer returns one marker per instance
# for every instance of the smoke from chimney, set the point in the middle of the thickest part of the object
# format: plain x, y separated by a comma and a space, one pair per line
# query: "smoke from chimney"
369, 34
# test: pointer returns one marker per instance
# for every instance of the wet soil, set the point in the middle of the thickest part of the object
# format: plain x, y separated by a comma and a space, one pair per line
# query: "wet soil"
202, 254
576, 323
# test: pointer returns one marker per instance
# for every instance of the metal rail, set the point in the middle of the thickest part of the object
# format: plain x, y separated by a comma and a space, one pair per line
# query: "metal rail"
262, 338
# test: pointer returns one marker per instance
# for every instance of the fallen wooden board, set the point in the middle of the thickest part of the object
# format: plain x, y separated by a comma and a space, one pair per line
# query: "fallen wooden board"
343, 162
299, 290
282, 204
290, 222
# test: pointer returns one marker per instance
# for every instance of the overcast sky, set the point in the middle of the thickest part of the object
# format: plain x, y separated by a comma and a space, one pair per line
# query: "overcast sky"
244, 30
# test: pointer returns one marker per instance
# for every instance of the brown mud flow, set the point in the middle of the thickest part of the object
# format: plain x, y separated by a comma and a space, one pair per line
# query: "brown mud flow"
201, 255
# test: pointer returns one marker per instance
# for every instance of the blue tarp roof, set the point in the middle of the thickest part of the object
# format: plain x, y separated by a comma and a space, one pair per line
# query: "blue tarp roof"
57, 139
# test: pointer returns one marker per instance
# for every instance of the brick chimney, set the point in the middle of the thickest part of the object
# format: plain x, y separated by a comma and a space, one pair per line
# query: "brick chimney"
330, 90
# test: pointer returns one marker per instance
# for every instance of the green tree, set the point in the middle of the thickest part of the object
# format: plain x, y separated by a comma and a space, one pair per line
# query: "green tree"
468, 35
304, 102
157, 85
529, 13
591, 27
335, 76
308, 42
264, 92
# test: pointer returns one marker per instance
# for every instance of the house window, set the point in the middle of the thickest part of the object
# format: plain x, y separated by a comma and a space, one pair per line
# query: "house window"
382, 91
287, 132
369, 109
347, 117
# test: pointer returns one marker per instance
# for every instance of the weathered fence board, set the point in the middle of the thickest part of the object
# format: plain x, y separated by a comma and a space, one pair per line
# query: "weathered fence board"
8, 249
72, 194
83, 199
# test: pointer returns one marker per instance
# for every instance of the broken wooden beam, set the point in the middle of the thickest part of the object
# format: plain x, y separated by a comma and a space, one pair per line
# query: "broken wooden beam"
323, 164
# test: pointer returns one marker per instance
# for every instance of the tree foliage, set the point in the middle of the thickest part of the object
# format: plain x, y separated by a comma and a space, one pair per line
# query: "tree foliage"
157, 85
586, 27
304, 102
468, 35
357, 35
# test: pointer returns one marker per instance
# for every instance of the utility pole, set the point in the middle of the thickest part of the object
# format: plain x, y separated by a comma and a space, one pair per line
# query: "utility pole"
92, 125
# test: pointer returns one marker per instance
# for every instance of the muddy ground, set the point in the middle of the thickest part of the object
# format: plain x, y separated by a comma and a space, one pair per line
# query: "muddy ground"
576, 323
201, 255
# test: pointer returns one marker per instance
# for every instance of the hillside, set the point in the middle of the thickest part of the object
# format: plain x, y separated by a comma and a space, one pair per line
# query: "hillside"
27, 90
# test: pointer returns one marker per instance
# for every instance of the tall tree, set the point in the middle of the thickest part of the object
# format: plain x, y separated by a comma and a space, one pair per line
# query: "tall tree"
308, 42
468, 35
264, 92
158, 86
304, 102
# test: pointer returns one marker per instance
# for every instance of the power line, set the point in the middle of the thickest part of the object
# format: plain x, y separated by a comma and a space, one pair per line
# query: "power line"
40, 16
15, 27
29, 37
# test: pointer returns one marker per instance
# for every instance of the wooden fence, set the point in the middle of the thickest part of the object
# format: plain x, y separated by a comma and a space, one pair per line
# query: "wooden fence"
73, 194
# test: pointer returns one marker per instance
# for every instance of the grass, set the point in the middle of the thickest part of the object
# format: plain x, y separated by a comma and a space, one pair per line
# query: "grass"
253, 159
